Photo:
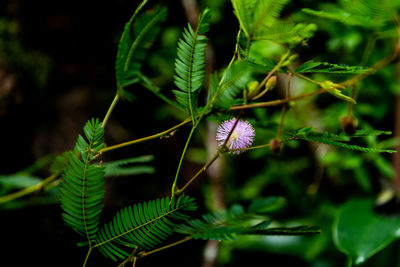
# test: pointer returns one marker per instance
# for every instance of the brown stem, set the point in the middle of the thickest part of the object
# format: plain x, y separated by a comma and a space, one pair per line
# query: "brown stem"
144, 254
209, 162
278, 102
264, 82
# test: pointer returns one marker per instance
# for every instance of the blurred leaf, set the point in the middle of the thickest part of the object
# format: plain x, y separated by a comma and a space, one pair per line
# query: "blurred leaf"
19, 180
325, 67
266, 205
286, 32
228, 224
360, 233
123, 167
298, 230
333, 140
134, 43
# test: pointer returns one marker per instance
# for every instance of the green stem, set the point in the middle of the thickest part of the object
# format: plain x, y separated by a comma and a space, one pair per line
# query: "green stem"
146, 82
154, 136
181, 160
306, 78
109, 111
87, 255
28, 190
368, 49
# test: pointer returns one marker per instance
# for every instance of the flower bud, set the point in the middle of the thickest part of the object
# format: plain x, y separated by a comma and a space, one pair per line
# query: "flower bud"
349, 124
276, 145
271, 83
252, 87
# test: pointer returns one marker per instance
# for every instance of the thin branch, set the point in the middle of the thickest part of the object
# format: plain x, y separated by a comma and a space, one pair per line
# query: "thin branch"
277, 66
203, 169
279, 101
144, 254
109, 111
143, 139
29, 190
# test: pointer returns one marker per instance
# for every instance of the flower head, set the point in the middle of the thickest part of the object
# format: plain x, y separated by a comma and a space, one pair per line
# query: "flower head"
241, 137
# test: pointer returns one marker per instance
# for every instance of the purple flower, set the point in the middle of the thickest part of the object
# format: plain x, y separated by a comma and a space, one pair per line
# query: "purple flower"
241, 137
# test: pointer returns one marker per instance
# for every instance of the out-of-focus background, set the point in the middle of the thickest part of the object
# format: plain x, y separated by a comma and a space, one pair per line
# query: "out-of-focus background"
57, 71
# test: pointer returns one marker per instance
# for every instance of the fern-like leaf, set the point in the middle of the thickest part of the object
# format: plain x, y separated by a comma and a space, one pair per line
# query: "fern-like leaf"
334, 140
143, 226
244, 10
82, 188
266, 12
124, 167
190, 63
329, 68
234, 80
226, 225
133, 45
254, 14
286, 32
364, 13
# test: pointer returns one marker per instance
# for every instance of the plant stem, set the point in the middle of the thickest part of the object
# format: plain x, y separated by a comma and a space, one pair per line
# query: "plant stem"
278, 102
110, 109
306, 78
181, 160
28, 190
284, 111
146, 82
216, 155
203, 169
87, 256
154, 136
144, 254
277, 66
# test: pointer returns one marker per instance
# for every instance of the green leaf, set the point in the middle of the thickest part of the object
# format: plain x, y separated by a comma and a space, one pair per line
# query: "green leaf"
266, 12
123, 167
190, 64
334, 140
18, 180
360, 233
364, 13
82, 187
133, 45
244, 10
341, 16
266, 205
365, 133
286, 32
298, 230
144, 225
253, 15
226, 225
329, 68
234, 80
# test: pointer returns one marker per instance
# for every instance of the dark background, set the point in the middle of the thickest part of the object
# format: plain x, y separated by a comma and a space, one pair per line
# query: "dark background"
56, 72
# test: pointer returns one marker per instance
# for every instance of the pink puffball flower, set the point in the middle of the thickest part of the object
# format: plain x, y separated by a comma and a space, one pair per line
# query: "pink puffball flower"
241, 137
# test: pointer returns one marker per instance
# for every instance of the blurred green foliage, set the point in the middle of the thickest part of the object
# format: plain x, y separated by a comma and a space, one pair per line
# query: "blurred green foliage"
351, 195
